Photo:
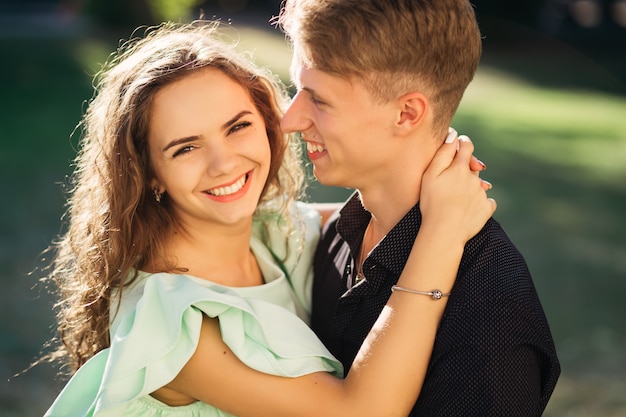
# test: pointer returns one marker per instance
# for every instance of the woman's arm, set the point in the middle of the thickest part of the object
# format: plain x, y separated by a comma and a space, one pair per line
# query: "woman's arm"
382, 381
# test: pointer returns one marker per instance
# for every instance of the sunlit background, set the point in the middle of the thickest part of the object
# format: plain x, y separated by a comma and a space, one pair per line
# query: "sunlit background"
547, 113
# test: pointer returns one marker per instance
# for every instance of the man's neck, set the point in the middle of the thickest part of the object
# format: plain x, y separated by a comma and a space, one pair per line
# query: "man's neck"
397, 189
387, 208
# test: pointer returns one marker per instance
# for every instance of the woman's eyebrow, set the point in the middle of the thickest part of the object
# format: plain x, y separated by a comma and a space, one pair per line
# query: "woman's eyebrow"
234, 119
180, 141
188, 139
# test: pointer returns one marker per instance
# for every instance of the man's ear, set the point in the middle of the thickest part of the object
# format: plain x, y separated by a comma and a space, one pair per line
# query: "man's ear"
412, 108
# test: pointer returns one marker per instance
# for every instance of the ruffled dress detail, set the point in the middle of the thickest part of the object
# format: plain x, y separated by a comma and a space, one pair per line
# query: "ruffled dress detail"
157, 330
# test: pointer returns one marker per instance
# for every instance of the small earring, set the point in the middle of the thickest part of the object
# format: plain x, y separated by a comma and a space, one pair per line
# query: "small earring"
157, 194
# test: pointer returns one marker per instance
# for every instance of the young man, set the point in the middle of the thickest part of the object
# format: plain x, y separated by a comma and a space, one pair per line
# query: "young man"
378, 84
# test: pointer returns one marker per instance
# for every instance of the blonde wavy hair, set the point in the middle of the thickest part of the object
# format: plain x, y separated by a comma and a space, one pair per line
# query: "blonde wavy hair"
115, 224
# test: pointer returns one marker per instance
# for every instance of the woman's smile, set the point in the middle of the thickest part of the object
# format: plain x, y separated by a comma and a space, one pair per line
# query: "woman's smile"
232, 191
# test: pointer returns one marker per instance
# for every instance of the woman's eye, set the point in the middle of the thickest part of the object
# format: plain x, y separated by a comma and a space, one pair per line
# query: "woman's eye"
239, 126
183, 150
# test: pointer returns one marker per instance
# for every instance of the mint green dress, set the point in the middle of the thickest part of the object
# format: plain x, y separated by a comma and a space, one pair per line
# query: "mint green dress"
157, 327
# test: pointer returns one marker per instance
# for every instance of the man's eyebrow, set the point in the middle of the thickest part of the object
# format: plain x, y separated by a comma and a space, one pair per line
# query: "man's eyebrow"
313, 93
188, 139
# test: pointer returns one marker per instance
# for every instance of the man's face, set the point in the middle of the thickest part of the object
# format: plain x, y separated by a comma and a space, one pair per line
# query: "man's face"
346, 131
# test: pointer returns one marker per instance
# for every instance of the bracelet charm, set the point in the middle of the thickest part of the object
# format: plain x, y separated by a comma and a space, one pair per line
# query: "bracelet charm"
434, 294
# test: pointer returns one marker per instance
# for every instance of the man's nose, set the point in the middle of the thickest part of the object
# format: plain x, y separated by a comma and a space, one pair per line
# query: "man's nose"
295, 118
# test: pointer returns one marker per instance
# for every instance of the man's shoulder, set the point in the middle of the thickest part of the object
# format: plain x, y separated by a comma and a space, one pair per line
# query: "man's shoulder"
493, 267
493, 246
494, 299
492, 234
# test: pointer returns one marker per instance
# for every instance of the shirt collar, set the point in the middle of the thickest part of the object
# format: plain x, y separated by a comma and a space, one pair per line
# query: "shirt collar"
393, 251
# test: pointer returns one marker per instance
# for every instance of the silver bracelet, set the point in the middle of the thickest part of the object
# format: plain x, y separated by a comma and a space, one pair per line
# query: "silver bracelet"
434, 294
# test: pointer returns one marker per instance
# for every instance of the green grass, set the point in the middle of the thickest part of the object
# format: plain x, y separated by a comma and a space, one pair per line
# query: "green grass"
556, 158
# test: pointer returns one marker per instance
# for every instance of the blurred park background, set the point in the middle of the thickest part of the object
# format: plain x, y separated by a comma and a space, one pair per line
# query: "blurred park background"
547, 113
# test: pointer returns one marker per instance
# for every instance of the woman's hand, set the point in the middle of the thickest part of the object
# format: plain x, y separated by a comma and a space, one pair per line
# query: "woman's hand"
453, 197
475, 164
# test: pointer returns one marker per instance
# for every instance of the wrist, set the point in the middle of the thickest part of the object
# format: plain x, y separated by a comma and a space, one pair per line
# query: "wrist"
433, 263
440, 237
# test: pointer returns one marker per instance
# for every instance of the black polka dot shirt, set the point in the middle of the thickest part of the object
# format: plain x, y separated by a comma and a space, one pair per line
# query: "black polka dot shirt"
493, 355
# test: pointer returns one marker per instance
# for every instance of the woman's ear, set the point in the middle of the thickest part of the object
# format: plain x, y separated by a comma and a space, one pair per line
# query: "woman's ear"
157, 190
412, 110
155, 185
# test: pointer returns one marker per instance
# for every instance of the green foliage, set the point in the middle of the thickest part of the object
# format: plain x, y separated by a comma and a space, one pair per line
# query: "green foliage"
131, 13
173, 10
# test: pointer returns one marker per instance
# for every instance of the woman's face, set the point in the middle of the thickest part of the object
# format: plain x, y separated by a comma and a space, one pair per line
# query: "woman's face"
209, 149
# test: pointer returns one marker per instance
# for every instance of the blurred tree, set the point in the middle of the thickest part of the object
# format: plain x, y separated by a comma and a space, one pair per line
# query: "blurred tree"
132, 13
524, 12
173, 9
508, 21
119, 13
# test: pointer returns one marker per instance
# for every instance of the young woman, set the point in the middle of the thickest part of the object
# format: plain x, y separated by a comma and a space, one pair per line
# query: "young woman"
185, 272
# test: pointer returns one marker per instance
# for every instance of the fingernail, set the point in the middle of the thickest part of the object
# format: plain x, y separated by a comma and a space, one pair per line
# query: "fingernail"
488, 184
482, 164
464, 138
451, 135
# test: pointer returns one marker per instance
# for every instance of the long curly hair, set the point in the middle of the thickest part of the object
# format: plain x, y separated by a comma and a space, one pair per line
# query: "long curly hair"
114, 223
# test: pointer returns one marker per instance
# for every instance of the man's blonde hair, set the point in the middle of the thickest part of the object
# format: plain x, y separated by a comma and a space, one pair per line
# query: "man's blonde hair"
393, 46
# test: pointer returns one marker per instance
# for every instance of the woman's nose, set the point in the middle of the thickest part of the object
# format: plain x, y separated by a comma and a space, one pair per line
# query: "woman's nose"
221, 159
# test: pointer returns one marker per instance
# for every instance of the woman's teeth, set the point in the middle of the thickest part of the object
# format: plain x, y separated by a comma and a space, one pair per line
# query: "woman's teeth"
231, 189
314, 147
